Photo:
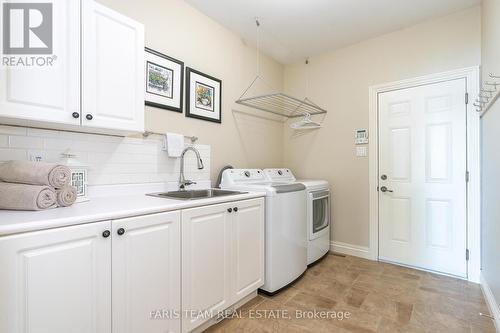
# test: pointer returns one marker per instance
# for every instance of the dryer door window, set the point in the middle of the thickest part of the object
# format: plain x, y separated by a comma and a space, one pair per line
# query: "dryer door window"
320, 211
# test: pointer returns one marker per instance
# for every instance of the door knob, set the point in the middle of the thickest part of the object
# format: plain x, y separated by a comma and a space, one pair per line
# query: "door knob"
89, 116
106, 233
235, 209
229, 210
120, 231
385, 189
76, 115
383, 177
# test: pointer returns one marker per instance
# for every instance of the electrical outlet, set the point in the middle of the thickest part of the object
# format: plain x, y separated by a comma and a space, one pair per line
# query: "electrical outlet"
36, 158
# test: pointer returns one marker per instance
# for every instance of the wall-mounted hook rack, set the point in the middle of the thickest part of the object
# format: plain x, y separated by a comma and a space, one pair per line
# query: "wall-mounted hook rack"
484, 102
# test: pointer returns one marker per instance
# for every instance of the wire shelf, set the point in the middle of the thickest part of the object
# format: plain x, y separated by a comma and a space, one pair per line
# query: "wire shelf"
282, 104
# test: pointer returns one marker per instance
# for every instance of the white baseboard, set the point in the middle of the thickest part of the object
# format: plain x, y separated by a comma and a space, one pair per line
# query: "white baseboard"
492, 304
351, 250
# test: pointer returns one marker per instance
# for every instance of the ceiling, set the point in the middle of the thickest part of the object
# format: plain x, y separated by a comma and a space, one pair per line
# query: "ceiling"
292, 30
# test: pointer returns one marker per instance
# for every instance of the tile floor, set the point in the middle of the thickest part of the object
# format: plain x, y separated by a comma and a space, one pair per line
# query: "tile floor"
379, 297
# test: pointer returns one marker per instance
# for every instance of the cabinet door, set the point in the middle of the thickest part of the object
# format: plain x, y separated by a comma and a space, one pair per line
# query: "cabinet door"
146, 273
248, 247
206, 242
46, 93
56, 281
113, 69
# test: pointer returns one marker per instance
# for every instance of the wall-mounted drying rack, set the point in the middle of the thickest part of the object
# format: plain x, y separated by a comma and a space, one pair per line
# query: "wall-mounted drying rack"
282, 104
279, 103
488, 96
193, 139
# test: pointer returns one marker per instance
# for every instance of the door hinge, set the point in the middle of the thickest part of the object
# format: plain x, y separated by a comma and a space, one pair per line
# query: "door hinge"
467, 176
466, 98
467, 255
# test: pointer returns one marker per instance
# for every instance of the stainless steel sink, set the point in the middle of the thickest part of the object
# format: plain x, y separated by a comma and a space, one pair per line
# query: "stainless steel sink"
194, 194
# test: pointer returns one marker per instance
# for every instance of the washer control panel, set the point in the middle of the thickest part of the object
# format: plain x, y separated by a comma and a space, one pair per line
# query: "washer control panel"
243, 176
284, 175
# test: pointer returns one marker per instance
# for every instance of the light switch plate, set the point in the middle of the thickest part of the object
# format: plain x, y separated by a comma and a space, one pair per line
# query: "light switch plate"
361, 151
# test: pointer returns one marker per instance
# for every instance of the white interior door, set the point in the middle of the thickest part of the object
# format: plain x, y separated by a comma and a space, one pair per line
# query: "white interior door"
422, 177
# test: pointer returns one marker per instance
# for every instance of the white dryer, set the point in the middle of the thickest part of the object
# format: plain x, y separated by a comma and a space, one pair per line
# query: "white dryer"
318, 211
285, 231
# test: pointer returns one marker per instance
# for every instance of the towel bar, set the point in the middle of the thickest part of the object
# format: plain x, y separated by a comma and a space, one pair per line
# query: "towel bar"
193, 139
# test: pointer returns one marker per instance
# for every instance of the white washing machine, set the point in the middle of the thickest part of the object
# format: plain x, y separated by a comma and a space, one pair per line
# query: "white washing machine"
285, 232
318, 211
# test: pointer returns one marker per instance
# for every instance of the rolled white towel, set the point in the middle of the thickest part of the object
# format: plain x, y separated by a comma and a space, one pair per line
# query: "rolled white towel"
26, 197
35, 173
66, 196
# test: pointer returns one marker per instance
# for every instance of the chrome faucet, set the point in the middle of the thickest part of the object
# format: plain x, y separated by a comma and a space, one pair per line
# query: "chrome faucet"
182, 180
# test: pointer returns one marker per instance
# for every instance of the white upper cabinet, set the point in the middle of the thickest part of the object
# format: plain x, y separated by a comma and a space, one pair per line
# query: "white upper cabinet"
47, 93
56, 280
112, 69
146, 273
96, 82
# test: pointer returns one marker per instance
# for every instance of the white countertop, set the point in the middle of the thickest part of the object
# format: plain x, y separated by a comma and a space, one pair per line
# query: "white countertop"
101, 209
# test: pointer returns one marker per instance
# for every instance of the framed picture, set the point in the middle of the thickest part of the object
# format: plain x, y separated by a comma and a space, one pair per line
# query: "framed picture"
203, 96
164, 81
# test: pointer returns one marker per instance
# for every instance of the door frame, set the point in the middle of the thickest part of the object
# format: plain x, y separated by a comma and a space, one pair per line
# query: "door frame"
473, 232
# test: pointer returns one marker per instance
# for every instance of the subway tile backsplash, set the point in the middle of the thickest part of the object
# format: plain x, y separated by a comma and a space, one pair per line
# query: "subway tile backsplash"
111, 160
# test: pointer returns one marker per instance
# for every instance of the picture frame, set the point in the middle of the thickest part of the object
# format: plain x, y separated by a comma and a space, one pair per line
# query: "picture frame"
164, 81
203, 96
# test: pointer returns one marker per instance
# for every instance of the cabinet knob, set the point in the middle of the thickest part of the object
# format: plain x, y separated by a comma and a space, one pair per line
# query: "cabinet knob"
120, 231
106, 233
89, 116
76, 115
235, 209
229, 210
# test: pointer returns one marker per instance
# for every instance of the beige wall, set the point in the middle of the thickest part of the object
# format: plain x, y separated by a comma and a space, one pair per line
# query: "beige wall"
339, 81
491, 156
175, 28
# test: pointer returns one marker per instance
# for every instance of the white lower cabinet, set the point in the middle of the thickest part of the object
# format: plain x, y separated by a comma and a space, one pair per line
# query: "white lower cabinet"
125, 276
247, 248
206, 276
222, 258
56, 281
146, 274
